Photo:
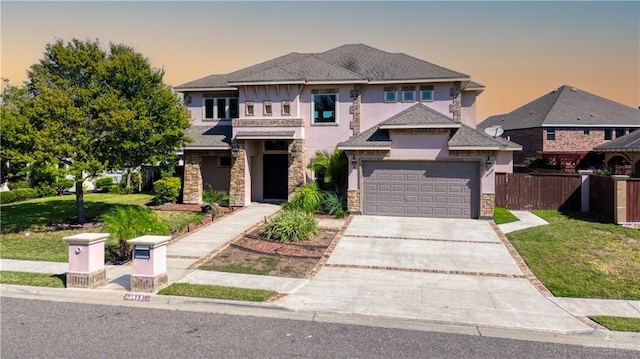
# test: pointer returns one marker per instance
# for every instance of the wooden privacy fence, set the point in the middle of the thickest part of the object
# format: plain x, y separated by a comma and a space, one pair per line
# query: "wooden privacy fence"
526, 191
633, 200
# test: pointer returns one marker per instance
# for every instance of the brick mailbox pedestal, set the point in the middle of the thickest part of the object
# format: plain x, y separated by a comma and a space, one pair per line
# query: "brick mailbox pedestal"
149, 262
86, 260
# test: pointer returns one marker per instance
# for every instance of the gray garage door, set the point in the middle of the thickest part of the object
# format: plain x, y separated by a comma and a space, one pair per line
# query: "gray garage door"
421, 189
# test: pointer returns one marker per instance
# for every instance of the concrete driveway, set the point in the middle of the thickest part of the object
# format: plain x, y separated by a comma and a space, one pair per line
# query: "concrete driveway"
442, 270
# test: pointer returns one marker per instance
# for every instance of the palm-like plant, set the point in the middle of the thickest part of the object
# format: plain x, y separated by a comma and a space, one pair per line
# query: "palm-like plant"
332, 166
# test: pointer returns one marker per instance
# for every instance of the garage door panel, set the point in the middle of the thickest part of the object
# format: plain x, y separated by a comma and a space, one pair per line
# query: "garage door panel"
421, 189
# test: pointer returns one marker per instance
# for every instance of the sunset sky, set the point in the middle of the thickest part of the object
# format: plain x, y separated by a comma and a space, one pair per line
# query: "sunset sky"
518, 50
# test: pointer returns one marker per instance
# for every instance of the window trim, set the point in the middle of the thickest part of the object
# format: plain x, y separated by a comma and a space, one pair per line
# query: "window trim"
430, 89
285, 104
227, 109
267, 105
551, 134
407, 90
249, 108
390, 90
336, 103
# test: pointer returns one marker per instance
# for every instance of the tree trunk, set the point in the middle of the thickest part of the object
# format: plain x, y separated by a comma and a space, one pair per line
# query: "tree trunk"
80, 202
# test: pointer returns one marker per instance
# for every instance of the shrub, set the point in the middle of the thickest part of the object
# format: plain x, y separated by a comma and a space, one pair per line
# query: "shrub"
210, 195
23, 194
115, 189
333, 205
62, 184
166, 190
18, 184
42, 175
7, 197
128, 190
291, 226
125, 223
45, 190
308, 198
104, 184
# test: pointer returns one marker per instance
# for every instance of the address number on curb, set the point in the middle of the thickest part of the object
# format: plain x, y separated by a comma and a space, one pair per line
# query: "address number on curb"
138, 297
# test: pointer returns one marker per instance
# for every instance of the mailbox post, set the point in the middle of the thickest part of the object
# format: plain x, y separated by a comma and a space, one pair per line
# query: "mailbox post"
149, 263
86, 260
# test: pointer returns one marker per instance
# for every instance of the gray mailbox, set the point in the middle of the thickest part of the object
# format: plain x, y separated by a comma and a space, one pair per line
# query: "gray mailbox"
141, 252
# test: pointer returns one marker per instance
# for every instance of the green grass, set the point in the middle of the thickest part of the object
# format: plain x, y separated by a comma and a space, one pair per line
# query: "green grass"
34, 279
263, 267
25, 231
618, 323
502, 215
217, 292
578, 256
37, 213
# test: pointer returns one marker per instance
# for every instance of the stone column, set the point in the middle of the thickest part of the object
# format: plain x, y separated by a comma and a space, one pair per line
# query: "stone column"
353, 201
355, 109
585, 189
86, 260
238, 181
297, 166
192, 184
487, 204
456, 106
620, 198
149, 263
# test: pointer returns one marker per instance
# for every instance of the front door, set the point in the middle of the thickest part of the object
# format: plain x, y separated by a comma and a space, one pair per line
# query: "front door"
275, 176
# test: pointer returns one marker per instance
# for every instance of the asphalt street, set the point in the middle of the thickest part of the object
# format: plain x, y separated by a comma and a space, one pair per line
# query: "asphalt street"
44, 329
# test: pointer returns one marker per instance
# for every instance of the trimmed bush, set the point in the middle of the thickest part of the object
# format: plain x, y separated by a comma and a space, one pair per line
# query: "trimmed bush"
166, 190
125, 223
291, 225
23, 194
62, 184
7, 197
308, 198
45, 190
104, 184
13, 185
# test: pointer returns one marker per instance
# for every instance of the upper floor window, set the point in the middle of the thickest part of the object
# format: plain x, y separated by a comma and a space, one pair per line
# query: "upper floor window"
408, 93
220, 108
286, 108
607, 134
426, 93
551, 134
249, 108
324, 106
390, 94
620, 132
586, 131
267, 108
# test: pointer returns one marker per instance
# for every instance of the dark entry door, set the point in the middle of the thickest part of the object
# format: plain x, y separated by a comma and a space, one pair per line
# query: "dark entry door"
275, 176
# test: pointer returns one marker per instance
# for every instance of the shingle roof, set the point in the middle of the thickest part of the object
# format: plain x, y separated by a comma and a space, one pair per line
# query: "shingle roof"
418, 115
567, 106
355, 62
208, 137
627, 143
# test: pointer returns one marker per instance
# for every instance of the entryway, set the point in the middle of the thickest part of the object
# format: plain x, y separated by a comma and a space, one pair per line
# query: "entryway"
275, 179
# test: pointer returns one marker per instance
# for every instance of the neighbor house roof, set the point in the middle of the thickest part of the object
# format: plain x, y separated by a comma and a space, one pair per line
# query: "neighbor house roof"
209, 138
420, 116
346, 63
567, 107
627, 143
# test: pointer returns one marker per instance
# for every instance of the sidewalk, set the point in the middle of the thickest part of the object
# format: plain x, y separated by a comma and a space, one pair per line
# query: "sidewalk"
526, 220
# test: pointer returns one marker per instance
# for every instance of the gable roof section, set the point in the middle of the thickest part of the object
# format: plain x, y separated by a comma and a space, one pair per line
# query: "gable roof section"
421, 116
207, 137
567, 107
355, 63
418, 116
627, 143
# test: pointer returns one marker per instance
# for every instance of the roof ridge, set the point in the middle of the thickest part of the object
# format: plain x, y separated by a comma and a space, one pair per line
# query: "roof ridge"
340, 67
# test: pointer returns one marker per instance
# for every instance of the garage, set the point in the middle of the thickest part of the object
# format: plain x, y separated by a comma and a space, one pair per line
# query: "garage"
421, 189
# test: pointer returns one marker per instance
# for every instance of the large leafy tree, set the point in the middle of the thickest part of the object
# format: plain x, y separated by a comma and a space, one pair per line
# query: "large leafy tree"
93, 109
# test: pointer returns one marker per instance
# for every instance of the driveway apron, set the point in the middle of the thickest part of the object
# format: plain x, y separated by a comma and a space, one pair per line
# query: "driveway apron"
441, 270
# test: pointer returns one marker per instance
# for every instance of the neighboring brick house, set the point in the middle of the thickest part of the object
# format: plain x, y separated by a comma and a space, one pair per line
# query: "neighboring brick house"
256, 129
622, 155
564, 126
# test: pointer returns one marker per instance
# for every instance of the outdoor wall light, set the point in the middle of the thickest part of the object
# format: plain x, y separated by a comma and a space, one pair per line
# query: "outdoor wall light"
354, 162
294, 153
489, 162
235, 149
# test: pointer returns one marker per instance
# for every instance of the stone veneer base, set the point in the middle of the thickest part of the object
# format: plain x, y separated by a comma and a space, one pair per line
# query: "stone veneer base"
87, 280
148, 284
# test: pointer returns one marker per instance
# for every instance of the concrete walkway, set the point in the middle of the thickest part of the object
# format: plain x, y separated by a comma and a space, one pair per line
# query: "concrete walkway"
526, 220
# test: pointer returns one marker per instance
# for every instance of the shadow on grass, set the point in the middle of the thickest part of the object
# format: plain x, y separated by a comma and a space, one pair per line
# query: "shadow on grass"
23, 216
587, 217
62, 277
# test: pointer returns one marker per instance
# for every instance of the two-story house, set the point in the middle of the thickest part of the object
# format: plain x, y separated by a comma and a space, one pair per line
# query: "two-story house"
407, 125
564, 126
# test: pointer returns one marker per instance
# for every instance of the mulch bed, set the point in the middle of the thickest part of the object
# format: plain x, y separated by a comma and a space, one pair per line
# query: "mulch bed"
177, 207
260, 245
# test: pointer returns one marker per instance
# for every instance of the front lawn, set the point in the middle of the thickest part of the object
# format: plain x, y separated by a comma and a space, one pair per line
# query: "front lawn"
618, 323
217, 292
502, 215
29, 233
33, 279
578, 256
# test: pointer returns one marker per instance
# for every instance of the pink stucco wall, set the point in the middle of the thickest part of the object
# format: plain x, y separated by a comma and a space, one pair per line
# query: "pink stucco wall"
504, 162
86, 258
274, 93
419, 147
468, 112
155, 265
